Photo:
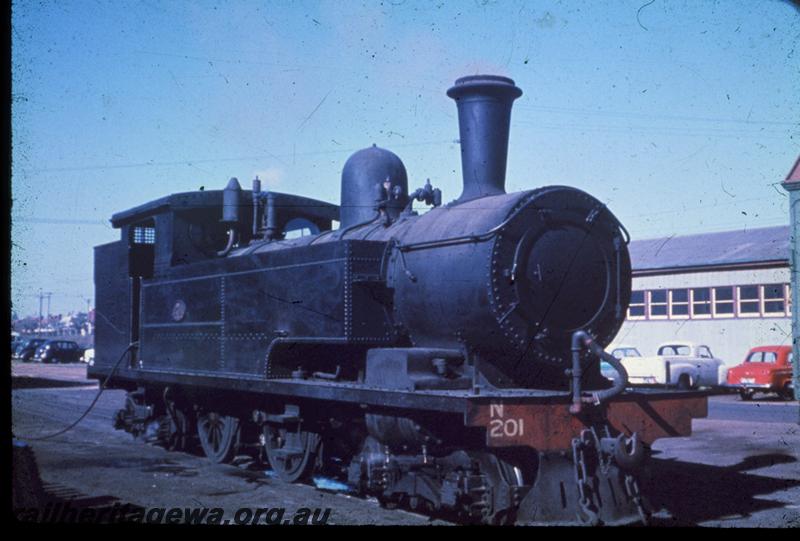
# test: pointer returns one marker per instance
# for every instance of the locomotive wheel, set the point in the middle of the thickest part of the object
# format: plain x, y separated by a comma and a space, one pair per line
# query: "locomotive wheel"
219, 436
291, 453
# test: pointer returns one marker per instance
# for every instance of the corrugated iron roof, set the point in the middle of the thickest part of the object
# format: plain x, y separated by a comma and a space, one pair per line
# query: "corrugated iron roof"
743, 246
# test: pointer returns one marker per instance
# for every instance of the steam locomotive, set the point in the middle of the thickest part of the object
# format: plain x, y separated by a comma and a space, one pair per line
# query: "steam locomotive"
444, 361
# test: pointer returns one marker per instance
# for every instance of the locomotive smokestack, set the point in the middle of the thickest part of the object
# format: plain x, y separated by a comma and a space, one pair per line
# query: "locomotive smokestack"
484, 114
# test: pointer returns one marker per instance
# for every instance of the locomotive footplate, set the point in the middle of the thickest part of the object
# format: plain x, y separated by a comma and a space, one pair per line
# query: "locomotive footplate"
535, 418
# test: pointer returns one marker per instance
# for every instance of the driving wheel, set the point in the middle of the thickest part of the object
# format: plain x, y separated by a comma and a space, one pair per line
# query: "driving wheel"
292, 453
219, 436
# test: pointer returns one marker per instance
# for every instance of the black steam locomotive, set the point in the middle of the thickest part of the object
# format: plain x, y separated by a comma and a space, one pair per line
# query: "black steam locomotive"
445, 361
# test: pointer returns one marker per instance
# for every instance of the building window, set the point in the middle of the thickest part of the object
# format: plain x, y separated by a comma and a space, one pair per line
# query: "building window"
723, 302
788, 299
774, 300
701, 302
658, 304
679, 303
749, 301
637, 305
144, 235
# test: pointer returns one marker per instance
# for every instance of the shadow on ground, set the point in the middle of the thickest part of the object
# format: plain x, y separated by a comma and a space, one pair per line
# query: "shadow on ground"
694, 493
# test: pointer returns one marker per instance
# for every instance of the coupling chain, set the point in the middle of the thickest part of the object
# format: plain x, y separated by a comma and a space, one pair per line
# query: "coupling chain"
582, 477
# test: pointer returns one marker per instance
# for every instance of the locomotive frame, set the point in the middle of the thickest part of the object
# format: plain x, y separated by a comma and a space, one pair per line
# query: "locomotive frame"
355, 353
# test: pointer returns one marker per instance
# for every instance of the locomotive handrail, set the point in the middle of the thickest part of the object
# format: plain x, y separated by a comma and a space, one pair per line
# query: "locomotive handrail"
454, 240
341, 233
480, 237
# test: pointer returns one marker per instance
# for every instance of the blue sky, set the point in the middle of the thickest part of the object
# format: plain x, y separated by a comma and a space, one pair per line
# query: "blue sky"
681, 116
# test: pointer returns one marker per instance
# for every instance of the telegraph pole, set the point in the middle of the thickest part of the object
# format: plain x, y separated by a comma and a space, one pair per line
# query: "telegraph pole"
792, 185
40, 305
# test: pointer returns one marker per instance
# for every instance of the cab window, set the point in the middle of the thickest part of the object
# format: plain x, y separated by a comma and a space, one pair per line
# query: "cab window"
300, 227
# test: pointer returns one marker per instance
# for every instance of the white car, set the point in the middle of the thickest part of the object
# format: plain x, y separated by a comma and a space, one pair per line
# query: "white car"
618, 352
685, 365
88, 356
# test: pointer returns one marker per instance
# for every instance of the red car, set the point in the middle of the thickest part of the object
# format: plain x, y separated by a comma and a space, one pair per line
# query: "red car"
767, 369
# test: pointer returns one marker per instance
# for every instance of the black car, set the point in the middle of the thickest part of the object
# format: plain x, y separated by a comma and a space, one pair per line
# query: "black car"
15, 342
27, 348
58, 351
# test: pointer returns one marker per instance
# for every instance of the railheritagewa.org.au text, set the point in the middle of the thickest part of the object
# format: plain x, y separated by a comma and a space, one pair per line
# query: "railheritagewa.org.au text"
64, 512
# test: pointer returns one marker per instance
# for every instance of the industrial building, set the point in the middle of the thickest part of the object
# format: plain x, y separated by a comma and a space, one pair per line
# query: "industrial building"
729, 290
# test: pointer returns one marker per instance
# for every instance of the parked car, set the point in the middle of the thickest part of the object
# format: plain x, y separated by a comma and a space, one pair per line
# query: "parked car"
16, 340
26, 350
88, 356
766, 369
619, 352
58, 351
685, 365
